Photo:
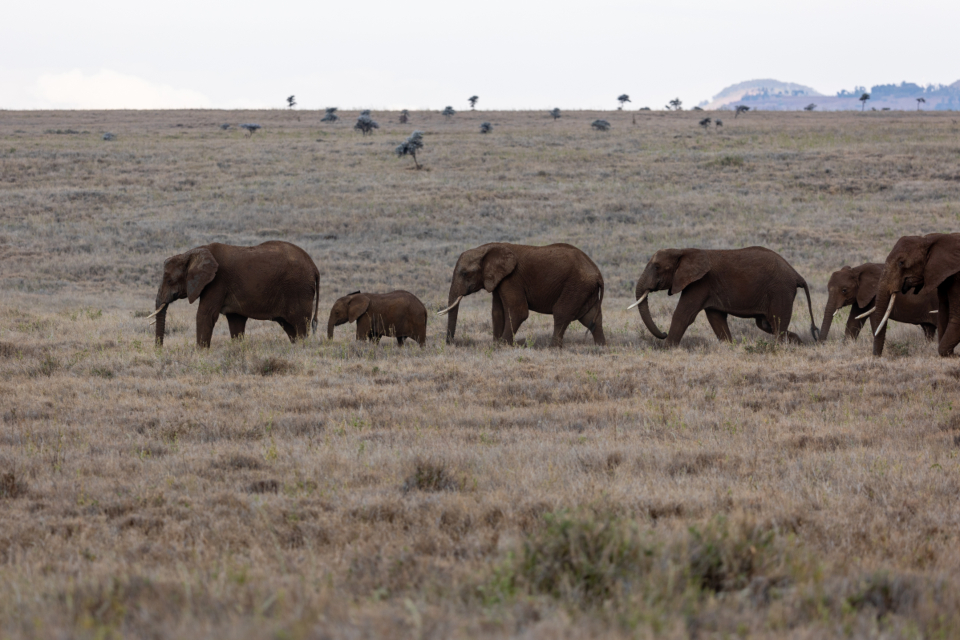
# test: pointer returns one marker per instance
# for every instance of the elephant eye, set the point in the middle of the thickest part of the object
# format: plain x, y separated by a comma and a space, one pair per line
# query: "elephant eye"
844, 290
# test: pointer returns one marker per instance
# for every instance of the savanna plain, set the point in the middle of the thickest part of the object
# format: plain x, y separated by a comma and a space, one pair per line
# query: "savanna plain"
337, 489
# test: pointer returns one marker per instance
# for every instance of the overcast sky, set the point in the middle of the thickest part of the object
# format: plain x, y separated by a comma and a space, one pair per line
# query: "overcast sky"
381, 54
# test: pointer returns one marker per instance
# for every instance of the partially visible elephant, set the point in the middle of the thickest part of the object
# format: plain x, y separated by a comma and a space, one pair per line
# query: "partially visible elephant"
857, 287
754, 282
925, 264
397, 314
558, 279
272, 281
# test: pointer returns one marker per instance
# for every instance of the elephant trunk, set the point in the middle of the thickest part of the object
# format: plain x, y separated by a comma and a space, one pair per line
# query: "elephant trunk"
831, 310
648, 319
161, 325
457, 292
330, 325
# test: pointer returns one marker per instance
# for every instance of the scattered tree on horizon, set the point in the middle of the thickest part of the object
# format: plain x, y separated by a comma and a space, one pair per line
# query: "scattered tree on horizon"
365, 112
291, 102
600, 125
810, 107
705, 123
330, 115
473, 101
741, 108
404, 116
676, 104
486, 127
919, 102
863, 100
410, 146
623, 99
719, 122
449, 111
555, 114
365, 124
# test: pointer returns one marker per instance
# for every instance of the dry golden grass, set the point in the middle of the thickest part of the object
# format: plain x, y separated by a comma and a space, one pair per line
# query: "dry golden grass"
337, 489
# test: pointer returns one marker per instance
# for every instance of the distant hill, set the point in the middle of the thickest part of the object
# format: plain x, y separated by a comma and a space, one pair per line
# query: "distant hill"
774, 95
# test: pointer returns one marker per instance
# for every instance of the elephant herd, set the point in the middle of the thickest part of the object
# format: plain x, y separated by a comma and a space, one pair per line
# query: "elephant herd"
917, 284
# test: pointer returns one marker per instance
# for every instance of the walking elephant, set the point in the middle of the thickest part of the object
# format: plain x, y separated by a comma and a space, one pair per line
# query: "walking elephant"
924, 264
272, 281
398, 314
857, 287
557, 279
754, 282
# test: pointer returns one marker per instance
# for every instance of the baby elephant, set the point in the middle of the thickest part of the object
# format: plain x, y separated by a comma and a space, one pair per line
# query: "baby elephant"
397, 314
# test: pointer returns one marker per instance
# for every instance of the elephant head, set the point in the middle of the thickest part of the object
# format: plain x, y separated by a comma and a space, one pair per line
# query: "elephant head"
184, 276
480, 268
917, 264
846, 287
670, 269
347, 309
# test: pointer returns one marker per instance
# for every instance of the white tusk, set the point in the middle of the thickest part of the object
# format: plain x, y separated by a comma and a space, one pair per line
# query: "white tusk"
865, 314
152, 322
445, 311
162, 307
934, 311
886, 315
637, 303
837, 311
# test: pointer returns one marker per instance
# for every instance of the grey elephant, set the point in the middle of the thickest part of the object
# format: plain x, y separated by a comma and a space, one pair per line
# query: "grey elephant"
272, 281
398, 314
558, 279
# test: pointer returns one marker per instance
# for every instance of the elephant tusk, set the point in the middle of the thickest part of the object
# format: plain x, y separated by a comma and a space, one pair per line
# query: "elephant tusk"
448, 309
934, 311
162, 307
637, 303
865, 314
837, 311
886, 315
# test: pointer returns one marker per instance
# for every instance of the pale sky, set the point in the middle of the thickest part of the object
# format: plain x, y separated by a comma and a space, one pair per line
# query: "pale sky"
426, 54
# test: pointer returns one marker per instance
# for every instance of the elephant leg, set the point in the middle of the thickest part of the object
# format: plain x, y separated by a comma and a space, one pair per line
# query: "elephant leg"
497, 311
237, 324
207, 314
779, 319
718, 322
853, 325
690, 304
929, 331
288, 328
763, 324
515, 310
560, 325
593, 321
949, 307
943, 310
363, 327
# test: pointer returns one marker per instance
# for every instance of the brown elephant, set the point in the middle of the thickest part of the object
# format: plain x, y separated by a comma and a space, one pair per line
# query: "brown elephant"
272, 281
754, 282
857, 287
398, 314
923, 264
558, 279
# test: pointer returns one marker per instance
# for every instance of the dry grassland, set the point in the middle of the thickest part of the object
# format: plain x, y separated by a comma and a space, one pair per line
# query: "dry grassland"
341, 490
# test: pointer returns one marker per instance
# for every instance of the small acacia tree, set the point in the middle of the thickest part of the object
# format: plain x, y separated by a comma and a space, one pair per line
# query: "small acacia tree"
250, 128
330, 115
448, 111
365, 124
705, 123
600, 125
291, 102
919, 102
741, 108
404, 116
473, 101
863, 100
810, 107
719, 122
410, 146
486, 127
676, 104
555, 114
623, 99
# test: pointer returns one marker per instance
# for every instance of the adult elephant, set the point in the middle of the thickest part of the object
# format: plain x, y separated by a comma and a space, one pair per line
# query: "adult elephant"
398, 314
923, 264
754, 282
272, 281
856, 287
558, 279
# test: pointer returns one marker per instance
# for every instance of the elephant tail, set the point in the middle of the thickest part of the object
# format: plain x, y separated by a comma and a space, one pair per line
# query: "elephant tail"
814, 331
593, 323
316, 301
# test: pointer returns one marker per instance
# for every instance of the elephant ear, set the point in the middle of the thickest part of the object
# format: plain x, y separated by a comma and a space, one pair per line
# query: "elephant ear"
357, 307
201, 269
868, 282
943, 261
693, 266
498, 263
